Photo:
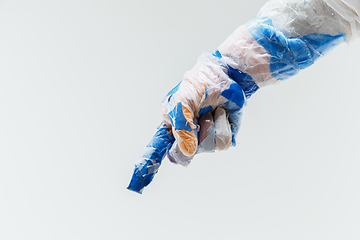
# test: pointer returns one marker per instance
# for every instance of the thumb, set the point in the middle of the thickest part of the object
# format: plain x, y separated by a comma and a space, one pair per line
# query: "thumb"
183, 127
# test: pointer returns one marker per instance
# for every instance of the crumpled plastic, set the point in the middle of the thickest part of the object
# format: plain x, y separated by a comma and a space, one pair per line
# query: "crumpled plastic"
203, 112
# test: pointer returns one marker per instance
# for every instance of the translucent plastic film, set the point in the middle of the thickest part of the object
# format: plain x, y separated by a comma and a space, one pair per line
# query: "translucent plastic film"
349, 10
203, 112
287, 36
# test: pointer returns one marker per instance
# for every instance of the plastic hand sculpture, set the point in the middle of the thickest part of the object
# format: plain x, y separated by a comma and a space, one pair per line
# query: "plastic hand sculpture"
207, 92
203, 112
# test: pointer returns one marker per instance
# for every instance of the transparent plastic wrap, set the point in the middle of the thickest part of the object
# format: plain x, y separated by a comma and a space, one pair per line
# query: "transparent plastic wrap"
349, 10
287, 36
203, 112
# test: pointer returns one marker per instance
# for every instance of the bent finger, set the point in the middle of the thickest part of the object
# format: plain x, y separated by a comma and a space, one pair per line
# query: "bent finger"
182, 120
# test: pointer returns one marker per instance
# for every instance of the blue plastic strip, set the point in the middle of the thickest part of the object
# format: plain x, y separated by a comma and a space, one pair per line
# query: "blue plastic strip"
234, 107
174, 90
235, 95
205, 110
151, 160
323, 43
289, 55
243, 79
178, 120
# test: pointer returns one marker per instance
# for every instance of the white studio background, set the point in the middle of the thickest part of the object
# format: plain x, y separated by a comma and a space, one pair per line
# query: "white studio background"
81, 82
